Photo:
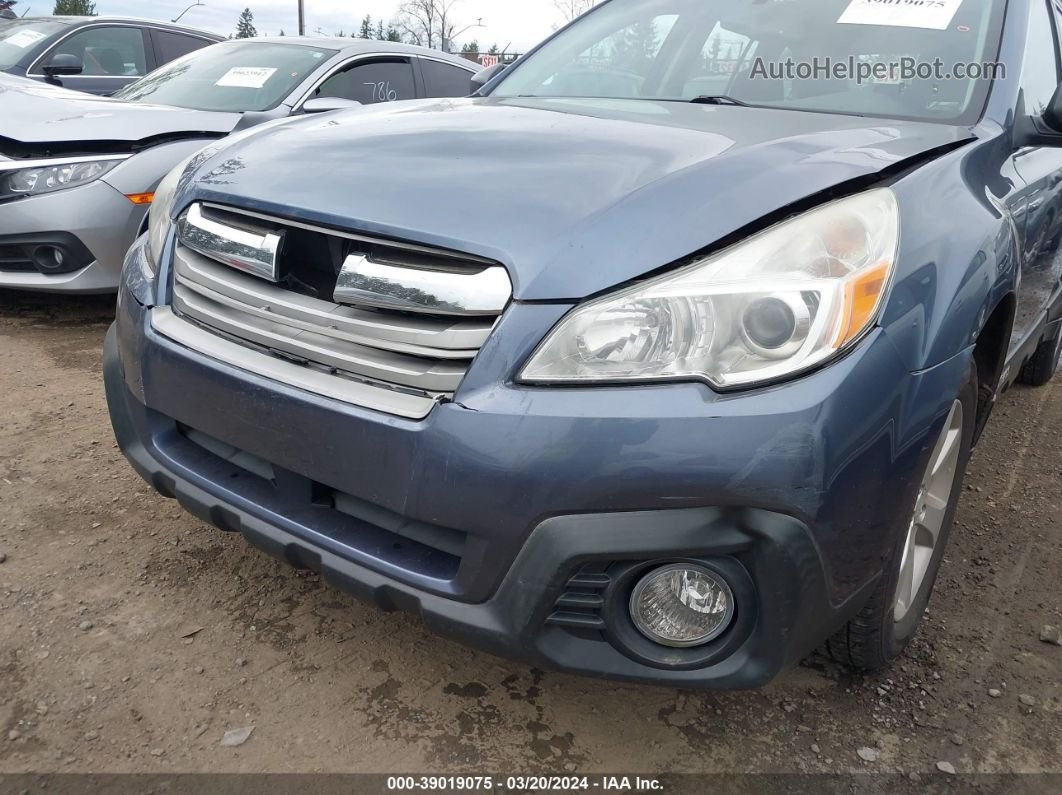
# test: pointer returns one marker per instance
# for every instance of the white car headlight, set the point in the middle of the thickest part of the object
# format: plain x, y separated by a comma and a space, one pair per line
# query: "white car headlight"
774, 305
50, 177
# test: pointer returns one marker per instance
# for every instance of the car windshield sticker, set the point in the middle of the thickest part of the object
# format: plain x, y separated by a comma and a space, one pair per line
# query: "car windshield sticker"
246, 77
931, 14
24, 38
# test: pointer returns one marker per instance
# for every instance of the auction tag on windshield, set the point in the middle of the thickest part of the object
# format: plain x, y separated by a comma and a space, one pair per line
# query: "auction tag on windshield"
24, 38
246, 77
931, 14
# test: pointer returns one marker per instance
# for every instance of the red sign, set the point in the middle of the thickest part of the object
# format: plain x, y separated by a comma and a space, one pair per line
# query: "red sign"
487, 61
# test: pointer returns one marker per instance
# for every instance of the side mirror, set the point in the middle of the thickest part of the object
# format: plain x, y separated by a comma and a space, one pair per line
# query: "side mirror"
63, 65
484, 76
326, 104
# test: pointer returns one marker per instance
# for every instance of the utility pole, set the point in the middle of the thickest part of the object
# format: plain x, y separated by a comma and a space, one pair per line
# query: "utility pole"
302, 17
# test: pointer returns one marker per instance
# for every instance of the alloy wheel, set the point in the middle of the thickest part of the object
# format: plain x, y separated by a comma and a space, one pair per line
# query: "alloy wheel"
931, 507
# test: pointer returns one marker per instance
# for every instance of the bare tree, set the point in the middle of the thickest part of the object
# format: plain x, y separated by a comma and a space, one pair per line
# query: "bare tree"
429, 23
419, 21
570, 9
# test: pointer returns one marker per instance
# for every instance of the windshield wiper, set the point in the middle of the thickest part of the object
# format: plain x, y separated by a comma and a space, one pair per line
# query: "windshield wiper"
718, 99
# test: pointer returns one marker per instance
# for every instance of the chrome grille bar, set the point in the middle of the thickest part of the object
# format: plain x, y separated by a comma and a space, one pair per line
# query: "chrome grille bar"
251, 251
410, 289
429, 375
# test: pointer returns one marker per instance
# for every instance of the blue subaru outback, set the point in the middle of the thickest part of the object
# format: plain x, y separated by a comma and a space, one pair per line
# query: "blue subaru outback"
659, 358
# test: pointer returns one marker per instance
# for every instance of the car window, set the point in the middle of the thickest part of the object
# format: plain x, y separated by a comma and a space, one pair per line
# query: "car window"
618, 65
1039, 73
235, 76
106, 51
723, 56
680, 50
171, 46
19, 37
370, 82
445, 80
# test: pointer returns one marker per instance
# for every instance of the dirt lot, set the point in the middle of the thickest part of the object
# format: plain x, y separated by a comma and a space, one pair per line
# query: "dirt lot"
132, 637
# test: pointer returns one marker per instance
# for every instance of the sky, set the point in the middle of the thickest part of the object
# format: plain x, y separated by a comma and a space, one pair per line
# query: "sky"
518, 23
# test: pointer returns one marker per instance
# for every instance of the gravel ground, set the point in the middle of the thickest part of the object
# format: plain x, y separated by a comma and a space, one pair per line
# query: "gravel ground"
135, 639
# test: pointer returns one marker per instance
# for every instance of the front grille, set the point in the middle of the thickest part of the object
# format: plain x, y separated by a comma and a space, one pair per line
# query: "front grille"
387, 314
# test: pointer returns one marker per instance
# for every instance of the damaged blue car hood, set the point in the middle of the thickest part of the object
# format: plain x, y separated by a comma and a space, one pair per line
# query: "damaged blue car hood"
572, 196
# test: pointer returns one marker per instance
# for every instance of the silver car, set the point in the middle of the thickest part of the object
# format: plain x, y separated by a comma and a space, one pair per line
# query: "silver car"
78, 173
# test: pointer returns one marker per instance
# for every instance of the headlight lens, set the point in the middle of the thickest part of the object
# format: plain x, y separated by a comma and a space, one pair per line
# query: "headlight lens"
50, 178
160, 216
771, 306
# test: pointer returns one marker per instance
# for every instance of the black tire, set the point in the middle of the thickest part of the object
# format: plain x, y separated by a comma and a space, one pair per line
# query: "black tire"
874, 638
1042, 365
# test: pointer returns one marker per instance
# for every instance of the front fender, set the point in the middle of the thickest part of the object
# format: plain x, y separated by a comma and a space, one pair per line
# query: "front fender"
958, 256
144, 171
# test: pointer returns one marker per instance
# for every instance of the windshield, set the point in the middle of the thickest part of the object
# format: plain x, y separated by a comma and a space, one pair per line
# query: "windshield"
924, 59
232, 77
18, 37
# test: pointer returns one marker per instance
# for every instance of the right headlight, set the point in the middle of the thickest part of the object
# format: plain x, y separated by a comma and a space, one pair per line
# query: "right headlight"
774, 305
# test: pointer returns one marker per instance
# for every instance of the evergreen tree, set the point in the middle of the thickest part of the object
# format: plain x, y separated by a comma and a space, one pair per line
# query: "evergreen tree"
366, 31
393, 34
636, 47
472, 48
245, 27
381, 31
282, 33
74, 8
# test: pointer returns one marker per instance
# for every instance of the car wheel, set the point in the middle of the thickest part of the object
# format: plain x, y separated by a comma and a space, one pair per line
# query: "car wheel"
890, 619
1041, 366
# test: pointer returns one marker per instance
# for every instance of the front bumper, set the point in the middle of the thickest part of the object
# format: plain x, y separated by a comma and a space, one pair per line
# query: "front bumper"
100, 217
555, 493
793, 612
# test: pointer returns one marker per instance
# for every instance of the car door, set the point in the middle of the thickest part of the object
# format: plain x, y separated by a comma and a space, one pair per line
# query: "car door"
1040, 167
112, 57
370, 80
444, 79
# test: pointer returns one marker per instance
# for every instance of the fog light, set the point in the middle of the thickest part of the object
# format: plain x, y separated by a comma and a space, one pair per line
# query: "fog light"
682, 605
49, 258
